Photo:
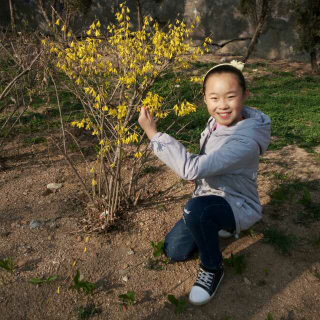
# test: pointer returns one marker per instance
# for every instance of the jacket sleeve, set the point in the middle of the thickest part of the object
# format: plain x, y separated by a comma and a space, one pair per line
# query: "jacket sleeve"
232, 156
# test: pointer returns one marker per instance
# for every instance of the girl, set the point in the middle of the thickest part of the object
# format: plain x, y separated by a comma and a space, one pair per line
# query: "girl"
225, 197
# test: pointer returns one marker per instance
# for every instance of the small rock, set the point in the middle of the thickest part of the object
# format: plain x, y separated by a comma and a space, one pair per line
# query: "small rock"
125, 278
49, 238
13, 225
130, 252
24, 222
5, 234
247, 281
25, 193
21, 263
128, 243
35, 224
312, 277
46, 192
124, 266
223, 59
54, 186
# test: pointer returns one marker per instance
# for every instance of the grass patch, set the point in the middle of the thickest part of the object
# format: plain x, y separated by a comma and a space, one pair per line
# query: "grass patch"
283, 242
293, 105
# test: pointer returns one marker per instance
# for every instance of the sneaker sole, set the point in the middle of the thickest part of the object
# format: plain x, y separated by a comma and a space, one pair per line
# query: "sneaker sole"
208, 300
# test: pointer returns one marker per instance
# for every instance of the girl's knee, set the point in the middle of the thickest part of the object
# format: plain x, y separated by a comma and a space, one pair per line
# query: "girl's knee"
173, 252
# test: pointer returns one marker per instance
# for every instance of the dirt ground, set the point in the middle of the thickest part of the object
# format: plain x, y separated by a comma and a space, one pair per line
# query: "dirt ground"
285, 285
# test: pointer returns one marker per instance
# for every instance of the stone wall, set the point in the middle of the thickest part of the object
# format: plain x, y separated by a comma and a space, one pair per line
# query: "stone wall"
219, 18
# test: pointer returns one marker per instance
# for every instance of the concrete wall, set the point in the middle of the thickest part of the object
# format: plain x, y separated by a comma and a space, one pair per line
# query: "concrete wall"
219, 18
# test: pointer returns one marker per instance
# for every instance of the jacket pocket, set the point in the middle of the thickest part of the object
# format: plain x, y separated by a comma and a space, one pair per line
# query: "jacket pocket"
239, 202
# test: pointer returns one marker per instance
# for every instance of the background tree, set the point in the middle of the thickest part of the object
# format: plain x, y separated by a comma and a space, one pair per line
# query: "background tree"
68, 10
257, 12
12, 16
308, 28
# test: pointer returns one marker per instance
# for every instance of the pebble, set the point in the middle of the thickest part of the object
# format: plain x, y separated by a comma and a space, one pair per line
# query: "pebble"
130, 252
247, 281
54, 186
124, 266
21, 262
46, 192
125, 278
35, 224
25, 193
49, 238
311, 278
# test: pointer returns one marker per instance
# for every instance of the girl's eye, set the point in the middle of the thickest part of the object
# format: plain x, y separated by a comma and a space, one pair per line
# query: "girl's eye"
231, 97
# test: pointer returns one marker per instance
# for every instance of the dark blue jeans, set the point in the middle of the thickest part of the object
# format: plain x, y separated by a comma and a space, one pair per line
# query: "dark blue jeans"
203, 217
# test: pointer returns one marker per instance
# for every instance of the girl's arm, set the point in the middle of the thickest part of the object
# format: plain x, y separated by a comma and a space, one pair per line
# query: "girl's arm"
233, 155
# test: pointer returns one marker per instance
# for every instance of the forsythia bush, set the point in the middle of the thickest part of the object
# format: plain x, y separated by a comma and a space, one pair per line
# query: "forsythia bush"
113, 77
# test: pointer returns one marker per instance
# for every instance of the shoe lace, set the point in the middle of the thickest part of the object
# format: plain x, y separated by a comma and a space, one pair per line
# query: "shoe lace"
205, 278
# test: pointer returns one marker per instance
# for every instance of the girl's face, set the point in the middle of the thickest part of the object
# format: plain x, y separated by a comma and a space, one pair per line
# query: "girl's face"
224, 98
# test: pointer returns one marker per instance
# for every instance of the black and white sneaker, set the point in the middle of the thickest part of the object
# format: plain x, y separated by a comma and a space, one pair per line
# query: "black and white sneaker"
205, 286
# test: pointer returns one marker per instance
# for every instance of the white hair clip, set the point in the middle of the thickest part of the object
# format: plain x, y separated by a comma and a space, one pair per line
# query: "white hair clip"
234, 63
237, 64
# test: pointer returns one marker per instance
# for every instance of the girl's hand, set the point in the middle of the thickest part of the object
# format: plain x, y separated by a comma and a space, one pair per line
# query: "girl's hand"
147, 123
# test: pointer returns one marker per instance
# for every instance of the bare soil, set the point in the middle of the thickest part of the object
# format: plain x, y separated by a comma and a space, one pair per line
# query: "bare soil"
285, 285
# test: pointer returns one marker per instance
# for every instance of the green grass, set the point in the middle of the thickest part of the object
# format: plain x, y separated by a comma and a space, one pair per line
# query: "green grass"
293, 104
280, 240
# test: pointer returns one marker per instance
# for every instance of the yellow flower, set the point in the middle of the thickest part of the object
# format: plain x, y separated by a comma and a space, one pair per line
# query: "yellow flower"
92, 170
58, 22
94, 182
138, 155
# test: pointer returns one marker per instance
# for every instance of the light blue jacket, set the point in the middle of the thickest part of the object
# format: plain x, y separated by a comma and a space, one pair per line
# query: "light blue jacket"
227, 164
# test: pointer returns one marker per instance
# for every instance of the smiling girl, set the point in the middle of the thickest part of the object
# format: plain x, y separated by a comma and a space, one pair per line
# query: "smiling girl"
225, 198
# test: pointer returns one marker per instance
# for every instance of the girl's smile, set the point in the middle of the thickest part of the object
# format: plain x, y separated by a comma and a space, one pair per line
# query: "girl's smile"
224, 98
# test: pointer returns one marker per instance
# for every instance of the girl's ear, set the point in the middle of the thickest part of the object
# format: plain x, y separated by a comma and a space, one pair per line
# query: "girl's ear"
204, 99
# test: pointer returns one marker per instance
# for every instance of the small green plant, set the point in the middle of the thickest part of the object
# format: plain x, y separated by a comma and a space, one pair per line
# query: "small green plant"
317, 273
280, 240
157, 248
306, 198
7, 264
39, 281
154, 264
250, 232
238, 263
127, 299
86, 286
150, 169
269, 316
158, 252
316, 241
180, 305
85, 312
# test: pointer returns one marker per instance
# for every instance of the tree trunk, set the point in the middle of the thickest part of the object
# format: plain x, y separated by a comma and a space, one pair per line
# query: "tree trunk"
253, 41
12, 16
139, 14
314, 64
